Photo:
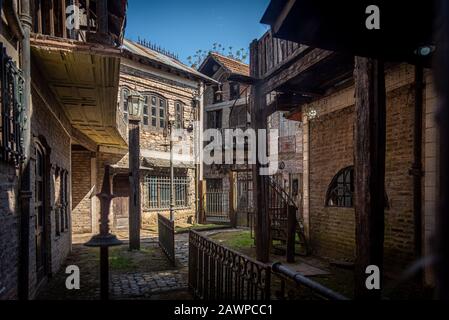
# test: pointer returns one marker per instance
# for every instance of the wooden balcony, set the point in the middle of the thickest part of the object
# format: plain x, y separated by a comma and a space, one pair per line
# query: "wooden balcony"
94, 21
81, 66
290, 74
275, 53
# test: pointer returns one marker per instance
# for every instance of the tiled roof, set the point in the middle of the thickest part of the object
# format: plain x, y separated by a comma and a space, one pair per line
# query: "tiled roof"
143, 51
232, 65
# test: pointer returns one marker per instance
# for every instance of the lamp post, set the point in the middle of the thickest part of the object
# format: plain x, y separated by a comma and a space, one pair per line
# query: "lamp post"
168, 133
104, 239
135, 106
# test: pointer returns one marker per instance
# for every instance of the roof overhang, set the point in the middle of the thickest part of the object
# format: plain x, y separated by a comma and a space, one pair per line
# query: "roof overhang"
332, 25
84, 79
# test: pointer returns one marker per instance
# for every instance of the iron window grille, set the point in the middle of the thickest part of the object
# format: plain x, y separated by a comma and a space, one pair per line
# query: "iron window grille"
157, 192
12, 117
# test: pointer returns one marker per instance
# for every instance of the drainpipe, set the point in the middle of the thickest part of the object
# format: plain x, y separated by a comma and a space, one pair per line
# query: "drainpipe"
25, 183
416, 170
13, 19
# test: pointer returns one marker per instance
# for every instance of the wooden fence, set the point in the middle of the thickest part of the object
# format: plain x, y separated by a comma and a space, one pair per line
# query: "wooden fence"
166, 231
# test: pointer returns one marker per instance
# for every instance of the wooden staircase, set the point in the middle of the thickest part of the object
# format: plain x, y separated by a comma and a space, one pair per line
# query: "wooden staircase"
280, 205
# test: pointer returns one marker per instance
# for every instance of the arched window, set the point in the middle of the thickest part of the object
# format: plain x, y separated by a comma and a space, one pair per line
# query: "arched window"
179, 114
341, 189
156, 111
125, 94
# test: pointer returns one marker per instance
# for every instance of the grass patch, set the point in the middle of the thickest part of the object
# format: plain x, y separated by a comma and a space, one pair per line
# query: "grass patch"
239, 241
199, 227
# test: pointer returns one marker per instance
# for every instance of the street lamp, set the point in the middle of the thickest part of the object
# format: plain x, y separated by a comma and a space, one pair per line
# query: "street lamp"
168, 132
135, 106
104, 239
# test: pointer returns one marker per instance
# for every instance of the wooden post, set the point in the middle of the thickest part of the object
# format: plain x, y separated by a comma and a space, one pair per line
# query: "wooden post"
134, 179
202, 201
258, 122
291, 229
442, 216
369, 156
102, 16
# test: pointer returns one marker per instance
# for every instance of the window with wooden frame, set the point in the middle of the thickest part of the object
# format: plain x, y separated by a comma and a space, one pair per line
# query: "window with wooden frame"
11, 110
157, 108
58, 193
214, 119
179, 115
341, 189
234, 90
146, 112
124, 98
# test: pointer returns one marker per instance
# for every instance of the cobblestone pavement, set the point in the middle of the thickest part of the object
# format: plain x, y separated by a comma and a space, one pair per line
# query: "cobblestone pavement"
146, 274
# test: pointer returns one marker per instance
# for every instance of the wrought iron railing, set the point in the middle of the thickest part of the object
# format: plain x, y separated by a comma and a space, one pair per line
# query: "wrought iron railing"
219, 273
166, 233
316, 288
12, 117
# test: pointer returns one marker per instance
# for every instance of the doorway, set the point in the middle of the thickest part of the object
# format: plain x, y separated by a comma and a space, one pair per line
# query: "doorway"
120, 204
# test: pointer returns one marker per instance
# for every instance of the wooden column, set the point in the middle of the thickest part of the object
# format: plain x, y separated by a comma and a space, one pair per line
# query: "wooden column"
369, 157
442, 214
258, 121
134, 185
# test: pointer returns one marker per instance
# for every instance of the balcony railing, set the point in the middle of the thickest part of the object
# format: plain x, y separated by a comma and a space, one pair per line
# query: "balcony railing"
274, 52
82, 20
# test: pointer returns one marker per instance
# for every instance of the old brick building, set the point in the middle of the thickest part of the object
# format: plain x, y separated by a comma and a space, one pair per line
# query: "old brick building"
59, 88
169, 89
316, 88
227, 188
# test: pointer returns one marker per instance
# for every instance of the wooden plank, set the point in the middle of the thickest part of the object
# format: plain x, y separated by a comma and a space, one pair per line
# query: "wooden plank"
369, 155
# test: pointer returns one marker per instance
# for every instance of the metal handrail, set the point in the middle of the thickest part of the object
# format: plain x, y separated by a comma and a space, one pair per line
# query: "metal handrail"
300, 279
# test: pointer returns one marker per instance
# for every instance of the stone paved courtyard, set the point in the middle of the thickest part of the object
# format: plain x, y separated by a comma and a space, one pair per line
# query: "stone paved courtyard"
146, 274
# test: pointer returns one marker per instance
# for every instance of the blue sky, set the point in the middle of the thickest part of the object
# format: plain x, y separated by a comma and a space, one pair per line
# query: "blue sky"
184, 26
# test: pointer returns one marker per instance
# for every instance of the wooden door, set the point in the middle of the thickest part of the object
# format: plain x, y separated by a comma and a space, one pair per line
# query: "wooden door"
120, 204
40, 209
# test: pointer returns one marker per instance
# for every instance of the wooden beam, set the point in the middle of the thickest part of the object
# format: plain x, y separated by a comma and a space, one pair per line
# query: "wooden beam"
369, 156
259, 195
83, 140
442, 216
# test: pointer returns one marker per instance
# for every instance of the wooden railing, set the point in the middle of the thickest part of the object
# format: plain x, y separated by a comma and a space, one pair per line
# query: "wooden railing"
166, 233
285, 219
274, 52
80, 20
219, 273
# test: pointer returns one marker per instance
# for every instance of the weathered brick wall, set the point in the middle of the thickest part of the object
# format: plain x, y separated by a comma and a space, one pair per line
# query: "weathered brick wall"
332, 230
331, 142
9, 232
81, 192
47, 128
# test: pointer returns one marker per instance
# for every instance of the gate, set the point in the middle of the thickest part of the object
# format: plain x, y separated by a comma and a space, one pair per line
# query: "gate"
166, 233
217, 206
